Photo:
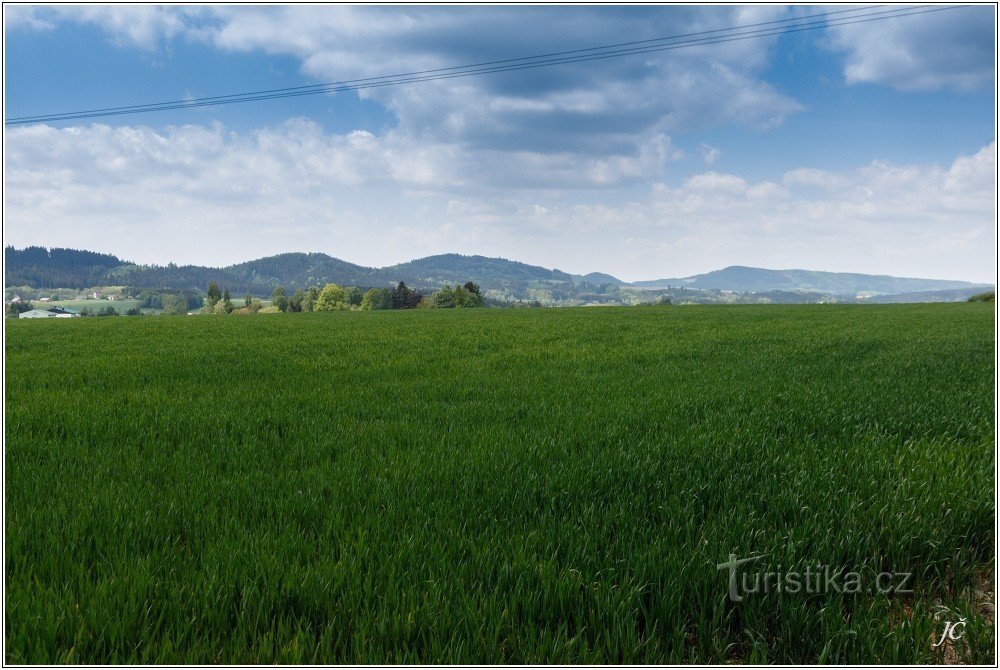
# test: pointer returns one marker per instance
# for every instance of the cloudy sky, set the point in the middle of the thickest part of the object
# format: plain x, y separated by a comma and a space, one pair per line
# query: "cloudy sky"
867, 147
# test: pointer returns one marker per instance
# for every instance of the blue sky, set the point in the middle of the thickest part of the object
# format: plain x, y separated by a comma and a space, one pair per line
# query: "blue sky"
852, 148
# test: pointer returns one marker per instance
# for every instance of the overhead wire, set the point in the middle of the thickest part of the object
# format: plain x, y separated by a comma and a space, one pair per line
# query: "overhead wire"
688, 40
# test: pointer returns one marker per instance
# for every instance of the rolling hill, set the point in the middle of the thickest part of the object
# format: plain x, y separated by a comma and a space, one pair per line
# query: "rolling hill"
758, 280
70, 268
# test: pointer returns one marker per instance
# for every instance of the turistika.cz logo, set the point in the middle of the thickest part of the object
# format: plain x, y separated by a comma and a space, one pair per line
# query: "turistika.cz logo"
814, 579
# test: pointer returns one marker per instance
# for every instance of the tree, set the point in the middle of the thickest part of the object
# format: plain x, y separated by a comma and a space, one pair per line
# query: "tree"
403, 297
468, 297
15, 308
377, 298
309, 301
460, 296
279, 299
330, 299
353, 296
987, 296
443, 297
214, 295
175, 304
246, 300
295, 302
227, 303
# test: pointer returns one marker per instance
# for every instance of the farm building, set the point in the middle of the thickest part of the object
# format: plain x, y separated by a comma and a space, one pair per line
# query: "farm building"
63, 312
36, 314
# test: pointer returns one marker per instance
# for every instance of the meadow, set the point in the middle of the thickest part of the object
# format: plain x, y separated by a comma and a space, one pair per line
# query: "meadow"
498, 486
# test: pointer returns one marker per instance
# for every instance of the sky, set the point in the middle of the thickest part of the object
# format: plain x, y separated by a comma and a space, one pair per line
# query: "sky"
867, 147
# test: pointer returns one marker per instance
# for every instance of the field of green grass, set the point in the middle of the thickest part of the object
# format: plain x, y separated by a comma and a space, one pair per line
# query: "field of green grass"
486, 486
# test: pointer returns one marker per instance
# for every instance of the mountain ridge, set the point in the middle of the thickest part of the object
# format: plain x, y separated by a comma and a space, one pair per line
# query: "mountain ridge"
69, 268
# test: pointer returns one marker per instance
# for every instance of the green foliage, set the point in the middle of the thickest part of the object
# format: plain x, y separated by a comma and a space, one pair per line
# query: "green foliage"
279, 299
353, 296
377, 298
403, 297
15, 308
295, 302
176, 304
496, 486
443, 297
212, 296
331, 298
986, 296
309, 301
460, 296
38, 266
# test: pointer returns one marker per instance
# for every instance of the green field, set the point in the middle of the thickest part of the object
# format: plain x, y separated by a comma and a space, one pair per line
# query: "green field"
485, 486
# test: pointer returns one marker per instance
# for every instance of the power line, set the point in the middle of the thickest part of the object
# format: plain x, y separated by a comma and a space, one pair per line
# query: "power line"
394, 80
447, 69
703, 38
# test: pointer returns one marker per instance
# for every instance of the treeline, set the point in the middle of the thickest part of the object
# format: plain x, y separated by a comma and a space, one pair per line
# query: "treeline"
332, 298
179, 302
70, 268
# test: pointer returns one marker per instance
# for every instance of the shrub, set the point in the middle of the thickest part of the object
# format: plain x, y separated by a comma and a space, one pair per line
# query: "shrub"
986, 296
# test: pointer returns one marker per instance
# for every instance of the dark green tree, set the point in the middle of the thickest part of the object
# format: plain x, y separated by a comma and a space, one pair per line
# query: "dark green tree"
295, 302
15, 308
279, 299
214, 295
403, 297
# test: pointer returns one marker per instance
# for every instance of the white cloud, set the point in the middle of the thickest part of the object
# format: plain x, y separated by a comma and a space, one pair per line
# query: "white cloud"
951, 49
598, 109
207, 195
709, 154
143, 26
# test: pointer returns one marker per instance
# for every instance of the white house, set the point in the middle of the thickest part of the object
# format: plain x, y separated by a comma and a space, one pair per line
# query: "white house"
63, 312
36, 314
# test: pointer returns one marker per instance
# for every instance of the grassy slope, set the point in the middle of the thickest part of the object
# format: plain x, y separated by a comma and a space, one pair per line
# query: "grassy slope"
493, 485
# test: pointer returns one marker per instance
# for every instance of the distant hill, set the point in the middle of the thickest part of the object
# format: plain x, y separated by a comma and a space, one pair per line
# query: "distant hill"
38, 267
598, 278
947, 295
507, 280
297, 270
68, 268
451, 268
758, 280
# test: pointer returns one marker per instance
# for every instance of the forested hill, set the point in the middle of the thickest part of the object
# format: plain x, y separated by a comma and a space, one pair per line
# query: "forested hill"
445, 268
758, 280
67, 268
